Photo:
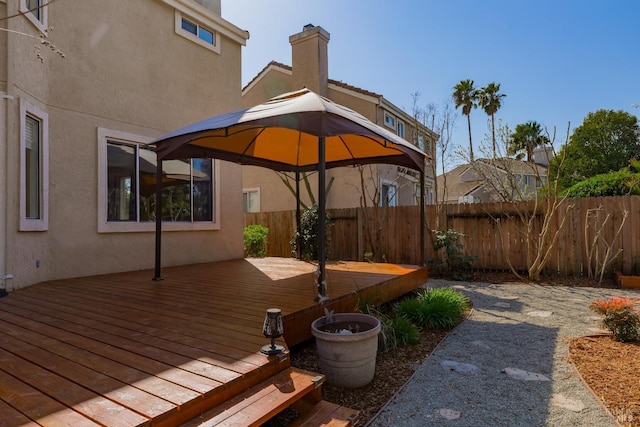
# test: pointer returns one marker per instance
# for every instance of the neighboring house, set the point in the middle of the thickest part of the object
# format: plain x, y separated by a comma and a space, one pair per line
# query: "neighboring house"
76, 177
263, 189
492, 180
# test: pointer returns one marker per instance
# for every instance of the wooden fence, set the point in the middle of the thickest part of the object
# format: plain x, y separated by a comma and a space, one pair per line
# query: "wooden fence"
493, 232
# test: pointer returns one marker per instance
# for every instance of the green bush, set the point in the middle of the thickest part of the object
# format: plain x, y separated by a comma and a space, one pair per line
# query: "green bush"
309, 234
456, 263
607, 184
396, 332
620, 317
255, 241
405, 331
440, 308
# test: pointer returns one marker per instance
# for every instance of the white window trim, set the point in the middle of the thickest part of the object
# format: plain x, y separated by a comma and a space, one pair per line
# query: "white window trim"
252, 190
400, 124
42, 223
215, 47
42, 26
105, 226
209, 19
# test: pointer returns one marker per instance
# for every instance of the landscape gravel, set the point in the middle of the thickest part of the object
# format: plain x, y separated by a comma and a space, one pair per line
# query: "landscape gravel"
507, 364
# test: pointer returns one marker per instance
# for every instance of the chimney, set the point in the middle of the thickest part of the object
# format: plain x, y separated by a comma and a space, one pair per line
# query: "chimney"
212, 5
309, 61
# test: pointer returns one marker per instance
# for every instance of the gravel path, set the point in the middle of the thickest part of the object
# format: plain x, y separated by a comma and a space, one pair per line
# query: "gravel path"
507, 364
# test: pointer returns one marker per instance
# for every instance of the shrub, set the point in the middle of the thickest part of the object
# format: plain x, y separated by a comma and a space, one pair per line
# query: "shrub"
405, 331
456, 263
607, 184
396, 332
309, 234
441, 308
619, 317
255, 240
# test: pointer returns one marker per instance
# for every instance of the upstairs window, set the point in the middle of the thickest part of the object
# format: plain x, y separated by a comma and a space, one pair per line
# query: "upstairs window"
389, 120
197, 33
197, 30
36, 12
401, 129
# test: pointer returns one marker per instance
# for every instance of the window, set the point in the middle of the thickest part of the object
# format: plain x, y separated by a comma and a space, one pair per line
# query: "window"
251, 200
34, 168
36, 12
424, 144
195, 32
388, 194
541, 181
127, 190
389, 120
400, 129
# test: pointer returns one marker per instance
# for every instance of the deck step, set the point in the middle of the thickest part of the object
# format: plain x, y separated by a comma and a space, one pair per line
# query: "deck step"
327, 414
263, 401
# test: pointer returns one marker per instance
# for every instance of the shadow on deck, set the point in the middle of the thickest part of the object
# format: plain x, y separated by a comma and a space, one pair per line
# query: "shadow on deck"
121, 349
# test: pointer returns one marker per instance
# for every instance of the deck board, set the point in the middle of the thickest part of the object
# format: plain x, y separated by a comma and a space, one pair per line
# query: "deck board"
122, 349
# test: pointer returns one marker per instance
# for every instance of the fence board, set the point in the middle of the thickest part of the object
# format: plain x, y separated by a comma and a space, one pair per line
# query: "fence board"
492, 231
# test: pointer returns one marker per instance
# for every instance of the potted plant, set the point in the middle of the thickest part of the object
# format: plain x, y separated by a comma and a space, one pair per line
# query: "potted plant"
347, 345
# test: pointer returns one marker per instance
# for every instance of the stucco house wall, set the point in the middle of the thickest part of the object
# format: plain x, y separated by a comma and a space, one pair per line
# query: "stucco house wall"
128, 73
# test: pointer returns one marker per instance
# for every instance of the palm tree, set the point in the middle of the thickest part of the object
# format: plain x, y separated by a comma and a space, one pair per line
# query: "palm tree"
490, 101
525, 139
466, 96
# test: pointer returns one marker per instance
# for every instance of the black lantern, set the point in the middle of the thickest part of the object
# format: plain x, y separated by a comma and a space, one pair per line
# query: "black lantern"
273, 329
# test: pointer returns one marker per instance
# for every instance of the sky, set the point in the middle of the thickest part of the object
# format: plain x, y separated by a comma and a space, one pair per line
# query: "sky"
556, 60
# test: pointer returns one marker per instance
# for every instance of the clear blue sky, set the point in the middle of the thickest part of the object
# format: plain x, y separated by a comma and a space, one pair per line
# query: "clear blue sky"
556, 60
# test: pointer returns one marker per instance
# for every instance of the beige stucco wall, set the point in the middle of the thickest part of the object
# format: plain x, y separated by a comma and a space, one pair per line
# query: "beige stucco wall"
120, 75
273, 84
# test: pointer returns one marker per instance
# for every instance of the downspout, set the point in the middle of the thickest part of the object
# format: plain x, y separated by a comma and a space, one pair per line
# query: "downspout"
5, 192
157, 275
4, 205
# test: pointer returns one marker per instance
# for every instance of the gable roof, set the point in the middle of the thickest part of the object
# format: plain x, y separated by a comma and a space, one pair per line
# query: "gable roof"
463, 180
456, 186
289, 69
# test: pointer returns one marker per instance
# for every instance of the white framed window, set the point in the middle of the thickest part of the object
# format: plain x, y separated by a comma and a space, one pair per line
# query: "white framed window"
34, 168
388, 193
126, 187
36, 11
389, 120
400, 129
191, 29
251, 200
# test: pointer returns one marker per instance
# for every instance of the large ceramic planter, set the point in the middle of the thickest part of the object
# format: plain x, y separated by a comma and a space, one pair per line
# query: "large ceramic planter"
347, 359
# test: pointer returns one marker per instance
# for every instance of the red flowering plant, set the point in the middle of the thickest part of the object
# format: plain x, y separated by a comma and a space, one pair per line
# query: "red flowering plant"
620, 317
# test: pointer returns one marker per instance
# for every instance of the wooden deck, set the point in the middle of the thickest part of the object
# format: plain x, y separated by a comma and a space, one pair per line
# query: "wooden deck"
123, 350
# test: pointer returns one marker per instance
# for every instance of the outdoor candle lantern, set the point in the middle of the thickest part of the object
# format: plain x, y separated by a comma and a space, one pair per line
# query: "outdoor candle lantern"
273, 329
